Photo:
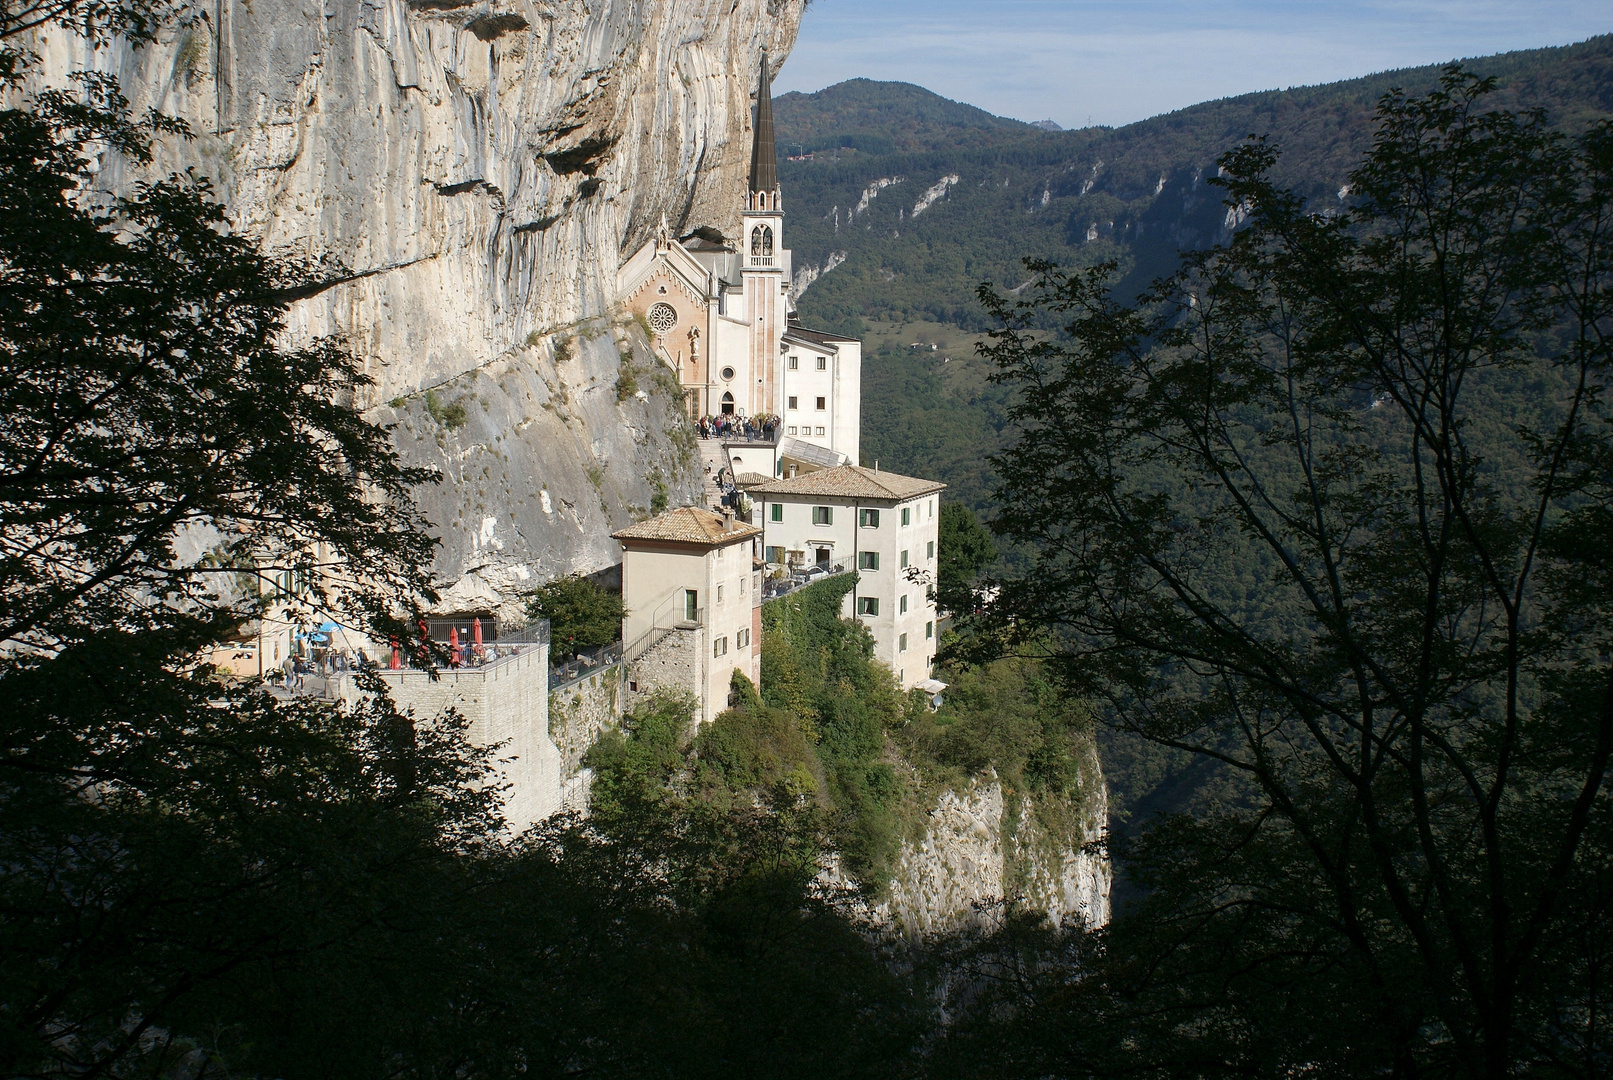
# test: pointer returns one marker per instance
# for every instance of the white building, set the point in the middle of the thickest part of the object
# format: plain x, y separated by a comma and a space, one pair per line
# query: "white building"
882, 524
720, 316
691, 586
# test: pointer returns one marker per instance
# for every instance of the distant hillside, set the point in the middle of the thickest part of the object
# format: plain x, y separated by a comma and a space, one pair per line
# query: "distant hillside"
929, 197
908, 241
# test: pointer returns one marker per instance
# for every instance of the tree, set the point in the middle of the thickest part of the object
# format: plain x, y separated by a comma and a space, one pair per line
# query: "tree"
169, 839
582, 614
1328, 509
963, 551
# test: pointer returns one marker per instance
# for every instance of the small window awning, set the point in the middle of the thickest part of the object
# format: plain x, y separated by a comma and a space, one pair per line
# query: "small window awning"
931, 686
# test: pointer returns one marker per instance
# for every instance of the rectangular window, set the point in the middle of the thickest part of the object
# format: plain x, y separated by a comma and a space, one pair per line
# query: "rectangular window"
901, 645
823, 515
795, 363
904, 559
870, 519
742, 639
691, 605
901, 608
794, 402
929, 630
929, 550
932, 508
822, 404
792, 432
741, 586
823, 363
820, 431
719, 647
907, 515
868, 605
775, 554
868, 560
777, 511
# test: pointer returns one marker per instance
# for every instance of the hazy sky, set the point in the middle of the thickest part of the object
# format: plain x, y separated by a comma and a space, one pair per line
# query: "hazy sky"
1115, 61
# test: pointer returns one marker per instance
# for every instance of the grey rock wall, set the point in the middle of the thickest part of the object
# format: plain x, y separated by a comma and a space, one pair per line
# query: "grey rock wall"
469, 175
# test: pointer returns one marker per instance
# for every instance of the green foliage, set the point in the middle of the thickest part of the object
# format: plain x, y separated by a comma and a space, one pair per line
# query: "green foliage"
963, 551
1318, 513
626, 379
582, 614
451, 415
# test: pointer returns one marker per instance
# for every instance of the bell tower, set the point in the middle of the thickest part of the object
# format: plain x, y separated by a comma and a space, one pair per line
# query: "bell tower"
763, 258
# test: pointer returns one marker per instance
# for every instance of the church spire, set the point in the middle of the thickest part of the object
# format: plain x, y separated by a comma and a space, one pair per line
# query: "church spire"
763, 158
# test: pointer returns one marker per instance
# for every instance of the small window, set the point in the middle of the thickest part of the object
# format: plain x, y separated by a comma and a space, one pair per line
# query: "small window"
823, 515
794, 402
929, 630
901, 608
691, 605
719, 594
904, 561
868, 605
868, 560
907, 516
719, 647
795, 363
870, 519
776, 513
792, 432
822, 404
742, 639
820, 431
741, 586
929, 551
823, 363
901, 645
775, 554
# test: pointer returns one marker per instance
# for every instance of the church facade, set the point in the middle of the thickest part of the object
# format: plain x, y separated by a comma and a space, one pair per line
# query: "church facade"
721, 315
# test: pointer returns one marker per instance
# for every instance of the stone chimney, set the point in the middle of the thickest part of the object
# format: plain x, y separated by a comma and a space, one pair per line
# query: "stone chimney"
728, 519
789, 472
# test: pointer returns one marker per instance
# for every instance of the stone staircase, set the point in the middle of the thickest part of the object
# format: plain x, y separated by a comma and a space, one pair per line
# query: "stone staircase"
713, 456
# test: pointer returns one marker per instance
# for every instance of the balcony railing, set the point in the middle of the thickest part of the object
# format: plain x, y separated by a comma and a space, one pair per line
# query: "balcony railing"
760, 260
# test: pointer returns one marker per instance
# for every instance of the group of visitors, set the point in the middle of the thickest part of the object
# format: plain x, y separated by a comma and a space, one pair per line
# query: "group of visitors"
729, 426
297, 668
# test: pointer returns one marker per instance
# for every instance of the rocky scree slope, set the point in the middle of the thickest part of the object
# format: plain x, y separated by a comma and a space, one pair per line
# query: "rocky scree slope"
469, 175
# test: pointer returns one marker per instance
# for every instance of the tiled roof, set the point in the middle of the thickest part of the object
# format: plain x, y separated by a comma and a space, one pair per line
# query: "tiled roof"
851, 482
689, 525
751, 479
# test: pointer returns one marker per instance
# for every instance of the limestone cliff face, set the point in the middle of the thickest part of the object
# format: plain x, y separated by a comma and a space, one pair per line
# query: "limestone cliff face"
470, 174
979, 847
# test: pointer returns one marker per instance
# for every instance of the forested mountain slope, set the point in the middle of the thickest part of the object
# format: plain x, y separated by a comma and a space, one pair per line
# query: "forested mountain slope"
931, 197
909, 201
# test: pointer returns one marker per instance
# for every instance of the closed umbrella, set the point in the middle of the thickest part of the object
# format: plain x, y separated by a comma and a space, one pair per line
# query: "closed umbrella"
476, 630
453, 645
396, 664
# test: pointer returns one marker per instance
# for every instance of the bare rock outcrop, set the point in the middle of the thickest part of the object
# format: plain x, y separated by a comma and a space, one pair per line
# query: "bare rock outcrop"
469, 174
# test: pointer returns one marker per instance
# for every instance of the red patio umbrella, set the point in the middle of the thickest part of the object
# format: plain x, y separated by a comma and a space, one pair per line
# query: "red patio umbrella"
396, 665
453, 645
476, 631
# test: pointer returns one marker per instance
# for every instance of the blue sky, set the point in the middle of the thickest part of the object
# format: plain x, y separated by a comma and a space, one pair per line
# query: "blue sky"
1115, 61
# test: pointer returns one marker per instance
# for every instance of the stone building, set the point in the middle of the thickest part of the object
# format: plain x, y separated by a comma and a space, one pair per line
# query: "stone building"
721, 315
881, 524
691, 587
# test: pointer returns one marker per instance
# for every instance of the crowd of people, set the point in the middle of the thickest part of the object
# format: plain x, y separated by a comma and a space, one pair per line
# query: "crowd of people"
729, 426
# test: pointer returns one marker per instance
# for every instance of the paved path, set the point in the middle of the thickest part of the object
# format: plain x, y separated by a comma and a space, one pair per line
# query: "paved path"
713, 456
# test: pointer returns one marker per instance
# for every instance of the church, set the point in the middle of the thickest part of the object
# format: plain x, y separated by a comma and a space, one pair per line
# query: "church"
720, 313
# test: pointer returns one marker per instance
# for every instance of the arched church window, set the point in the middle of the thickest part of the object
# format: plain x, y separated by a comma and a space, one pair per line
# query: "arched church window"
761, 241
663, 317
728, 404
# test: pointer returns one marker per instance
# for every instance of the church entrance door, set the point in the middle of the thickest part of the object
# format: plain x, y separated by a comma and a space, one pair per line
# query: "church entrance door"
728, 404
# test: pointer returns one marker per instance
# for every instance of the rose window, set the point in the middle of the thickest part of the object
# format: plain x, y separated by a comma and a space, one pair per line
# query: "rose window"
663, 317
